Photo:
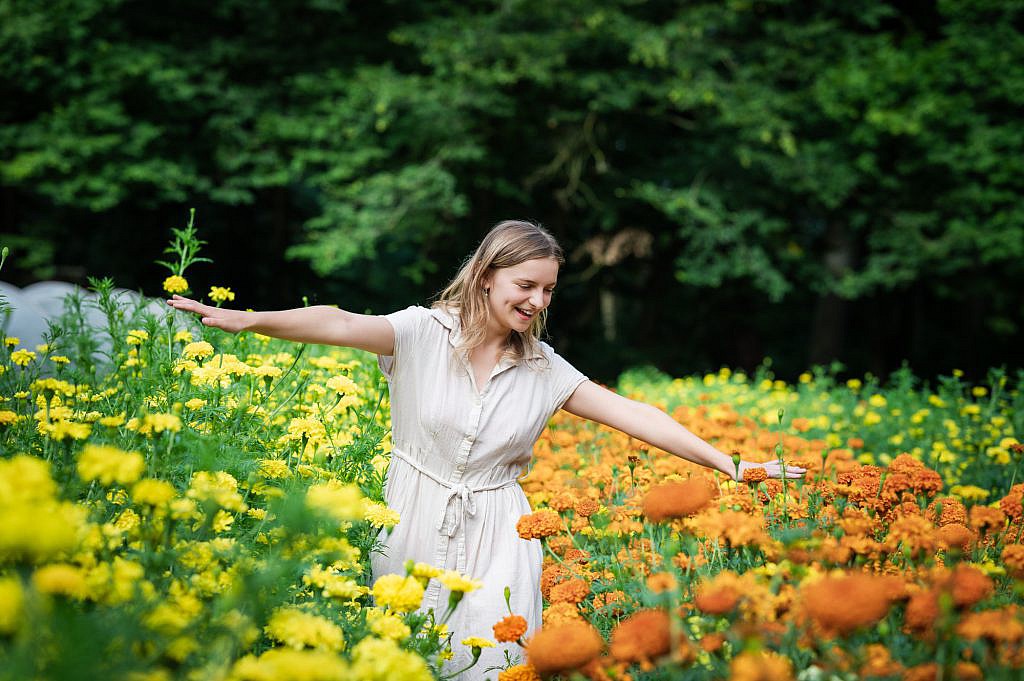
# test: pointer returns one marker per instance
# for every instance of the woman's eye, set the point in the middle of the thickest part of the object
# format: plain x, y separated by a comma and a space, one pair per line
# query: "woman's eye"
522, 286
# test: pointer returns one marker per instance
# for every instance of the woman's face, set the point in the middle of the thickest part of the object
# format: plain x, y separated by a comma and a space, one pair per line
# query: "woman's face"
519, 293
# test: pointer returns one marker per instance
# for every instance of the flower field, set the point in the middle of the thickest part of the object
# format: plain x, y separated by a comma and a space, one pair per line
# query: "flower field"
184, 503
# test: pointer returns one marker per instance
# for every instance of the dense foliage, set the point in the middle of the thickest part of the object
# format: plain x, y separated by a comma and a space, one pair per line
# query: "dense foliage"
805, 180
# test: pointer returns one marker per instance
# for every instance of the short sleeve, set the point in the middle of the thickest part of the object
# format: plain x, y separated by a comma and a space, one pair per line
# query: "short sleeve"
565, 378
407, 324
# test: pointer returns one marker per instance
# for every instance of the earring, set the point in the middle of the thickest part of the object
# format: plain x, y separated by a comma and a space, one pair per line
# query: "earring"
487, 291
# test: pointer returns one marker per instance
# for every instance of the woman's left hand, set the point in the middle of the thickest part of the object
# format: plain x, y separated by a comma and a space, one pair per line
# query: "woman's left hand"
772, 468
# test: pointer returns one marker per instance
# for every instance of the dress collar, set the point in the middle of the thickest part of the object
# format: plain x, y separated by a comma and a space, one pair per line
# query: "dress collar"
450, 320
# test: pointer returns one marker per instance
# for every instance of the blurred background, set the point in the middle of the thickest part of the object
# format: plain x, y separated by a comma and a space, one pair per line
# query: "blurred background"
808, 182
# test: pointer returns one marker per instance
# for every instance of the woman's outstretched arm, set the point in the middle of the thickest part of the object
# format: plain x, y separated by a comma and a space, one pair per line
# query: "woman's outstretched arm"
317, 324
655, 427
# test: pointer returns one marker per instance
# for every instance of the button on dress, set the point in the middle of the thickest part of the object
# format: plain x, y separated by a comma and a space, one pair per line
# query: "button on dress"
458, 451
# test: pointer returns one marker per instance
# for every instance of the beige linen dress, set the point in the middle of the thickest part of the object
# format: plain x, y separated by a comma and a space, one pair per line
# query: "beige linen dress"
459, 450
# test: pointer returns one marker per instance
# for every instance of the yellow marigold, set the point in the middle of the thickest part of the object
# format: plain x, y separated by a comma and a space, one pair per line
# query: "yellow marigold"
108, 465
158, 423
543, 523
381, 659
343, 385
22, 357
12, 602
761, 666
453, 581
220, 294
424, 572
334, 584
152, 492
477, 642
8, 417
564, 647
175, 284
183, 336
387, 625
11, 341
510, 629
379, 514
137, 337
519, 672
286, 664
197, 351
402, 594
298, 629
195, 403
61, 579
336, 500
218, 487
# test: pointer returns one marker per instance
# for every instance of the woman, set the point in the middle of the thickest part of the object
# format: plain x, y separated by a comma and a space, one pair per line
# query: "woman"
472, 388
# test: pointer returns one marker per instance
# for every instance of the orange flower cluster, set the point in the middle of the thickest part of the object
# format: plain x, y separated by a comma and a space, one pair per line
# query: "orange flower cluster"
755, 475
538, 525
564, 647
676, 499
510, 629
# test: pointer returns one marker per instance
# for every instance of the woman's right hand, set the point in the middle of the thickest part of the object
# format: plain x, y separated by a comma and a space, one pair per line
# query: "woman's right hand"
231, 321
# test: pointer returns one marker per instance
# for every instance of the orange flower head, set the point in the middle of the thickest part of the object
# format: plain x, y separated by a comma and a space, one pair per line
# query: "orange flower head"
843, 604
955, 536
719, 595
543, 523
510, 629
755, 475
660, 582
571, 591
676, 499
586, 507
922, 610
642, 637
969, 585
564, 647
519, 672
1013, 558
761, 666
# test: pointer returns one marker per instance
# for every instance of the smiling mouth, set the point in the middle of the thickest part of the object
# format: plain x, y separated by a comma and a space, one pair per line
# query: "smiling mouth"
523, 314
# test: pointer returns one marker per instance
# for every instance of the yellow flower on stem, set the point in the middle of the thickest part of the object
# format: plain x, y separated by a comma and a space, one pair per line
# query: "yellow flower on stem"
175, 284
220, 294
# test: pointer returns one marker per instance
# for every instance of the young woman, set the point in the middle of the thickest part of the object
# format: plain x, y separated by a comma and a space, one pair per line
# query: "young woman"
472, 388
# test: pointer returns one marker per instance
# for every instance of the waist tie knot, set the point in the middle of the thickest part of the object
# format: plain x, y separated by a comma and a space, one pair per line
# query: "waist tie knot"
459, 503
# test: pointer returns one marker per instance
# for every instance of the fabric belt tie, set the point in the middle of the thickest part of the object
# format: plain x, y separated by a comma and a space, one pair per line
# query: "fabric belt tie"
460, 502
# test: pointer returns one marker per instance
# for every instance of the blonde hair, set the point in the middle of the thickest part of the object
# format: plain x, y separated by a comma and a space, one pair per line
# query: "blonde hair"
509, 243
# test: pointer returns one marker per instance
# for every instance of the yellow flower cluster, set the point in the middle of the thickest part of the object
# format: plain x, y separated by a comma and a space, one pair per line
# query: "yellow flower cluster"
398, 593
107, 465
298, 629
175, 284
220, 294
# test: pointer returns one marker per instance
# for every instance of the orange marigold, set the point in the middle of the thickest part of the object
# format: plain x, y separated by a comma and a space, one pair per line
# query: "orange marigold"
586, 507
842, 604
878, 662
519, 672
543, 523
571, 591
720, 594
510, 629
560, 613
642, 637
562, 501
955, 535
922, 610
661, 582
676, 499
987, 519
755, 475
1013, 559
564, 647
969, 585
1002, 625
763, 665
